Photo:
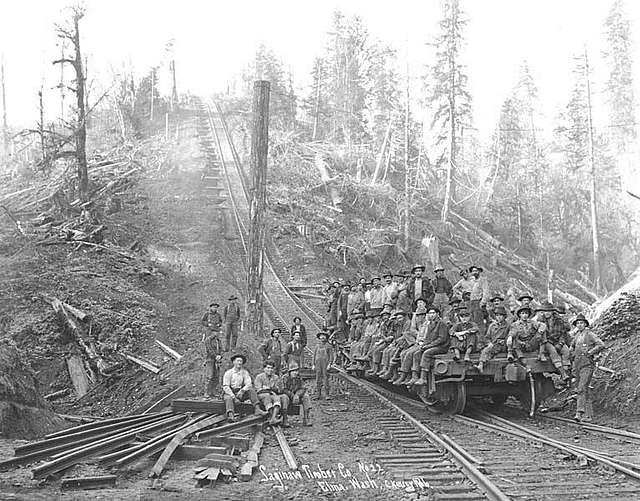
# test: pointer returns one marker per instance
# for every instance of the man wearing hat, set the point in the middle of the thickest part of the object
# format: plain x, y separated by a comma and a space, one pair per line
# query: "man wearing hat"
332, 308
436, 342
464, 336
403, 302
237, 387
272, 349
323, 357
419, 286
452, 318
390, 288
374, 354
401, 339
496, 337
370, 330
526, 299
377, 295
586, 345
528, 335
267, 386
342, 331
356, 301
294, 392
213, 359
465, 284
293, 350
479, 297
556, 334
442, 291
231, 316
404, 358
211, 319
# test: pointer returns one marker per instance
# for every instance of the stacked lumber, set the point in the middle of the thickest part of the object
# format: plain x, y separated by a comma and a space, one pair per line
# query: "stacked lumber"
118, 442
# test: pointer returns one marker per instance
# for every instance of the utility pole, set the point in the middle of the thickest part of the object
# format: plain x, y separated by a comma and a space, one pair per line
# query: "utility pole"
594, 209
258, 202
406, 161
5, 127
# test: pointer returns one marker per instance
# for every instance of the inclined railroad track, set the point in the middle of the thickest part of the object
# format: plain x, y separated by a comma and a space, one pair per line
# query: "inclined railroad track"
479, 456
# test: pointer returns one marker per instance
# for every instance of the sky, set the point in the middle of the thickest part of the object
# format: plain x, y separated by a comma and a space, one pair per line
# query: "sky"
214, 39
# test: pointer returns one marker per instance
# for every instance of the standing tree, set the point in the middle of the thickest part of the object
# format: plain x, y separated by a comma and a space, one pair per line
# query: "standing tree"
620, 87
72, 34
448, 94
5, 127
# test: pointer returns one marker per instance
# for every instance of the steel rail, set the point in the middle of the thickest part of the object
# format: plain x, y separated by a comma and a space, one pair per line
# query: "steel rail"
483, 483
74, 457
596, 428
97, 424
593, 455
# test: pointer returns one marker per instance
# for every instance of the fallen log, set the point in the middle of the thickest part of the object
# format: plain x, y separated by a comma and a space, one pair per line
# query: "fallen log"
571, 299
78, 375
145, 364
286, 450
169, 351
588, 292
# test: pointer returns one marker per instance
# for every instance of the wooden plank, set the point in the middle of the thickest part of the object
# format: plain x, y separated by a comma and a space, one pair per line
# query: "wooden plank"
208, 473
246, 471
78, 375
88, 482
238, 443
169, 351
231, 464
164, 401
191, 452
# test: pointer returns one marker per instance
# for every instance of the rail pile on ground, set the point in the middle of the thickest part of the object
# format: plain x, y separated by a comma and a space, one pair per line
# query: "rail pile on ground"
117, 442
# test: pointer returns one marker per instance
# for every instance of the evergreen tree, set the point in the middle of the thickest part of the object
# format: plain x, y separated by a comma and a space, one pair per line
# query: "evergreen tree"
620, 90
448, 92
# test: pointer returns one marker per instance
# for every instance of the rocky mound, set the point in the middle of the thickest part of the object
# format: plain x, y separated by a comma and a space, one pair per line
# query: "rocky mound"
23, 411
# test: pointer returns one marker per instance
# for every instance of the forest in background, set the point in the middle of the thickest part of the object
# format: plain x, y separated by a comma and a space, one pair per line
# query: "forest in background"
568, 203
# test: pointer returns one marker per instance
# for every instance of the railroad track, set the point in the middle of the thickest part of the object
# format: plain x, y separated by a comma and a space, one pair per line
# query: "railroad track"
522, 458
478, 456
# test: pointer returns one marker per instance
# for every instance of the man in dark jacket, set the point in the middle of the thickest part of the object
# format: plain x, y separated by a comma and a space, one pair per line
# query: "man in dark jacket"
212, 320
272, 349
231, 316
213, 359
419, 286
436, 342
442, 290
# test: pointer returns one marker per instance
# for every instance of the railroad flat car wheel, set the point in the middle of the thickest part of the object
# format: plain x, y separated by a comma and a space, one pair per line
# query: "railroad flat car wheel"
450, 398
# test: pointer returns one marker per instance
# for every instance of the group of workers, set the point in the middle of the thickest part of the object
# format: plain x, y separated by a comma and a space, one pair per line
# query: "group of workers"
397, 324
280, 383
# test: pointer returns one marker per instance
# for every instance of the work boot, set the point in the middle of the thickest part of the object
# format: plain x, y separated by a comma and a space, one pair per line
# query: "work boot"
424, 376
273, 417
258, 411
542, 356
456, 354
374, 369
586, 419
467, 356
401, 379
578, 417
231, 418
285, 421
510, 357
415, 375
563, 375
384, 373
393, 374
480, 366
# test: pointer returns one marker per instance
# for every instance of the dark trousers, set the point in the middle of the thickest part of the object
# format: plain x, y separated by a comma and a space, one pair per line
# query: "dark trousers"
426, 362
212, 376
250, 394
231, 335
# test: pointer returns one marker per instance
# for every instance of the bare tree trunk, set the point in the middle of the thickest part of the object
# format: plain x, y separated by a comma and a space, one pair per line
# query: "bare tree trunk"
174, 88
406, 164
81, 133
43, 149
153, 83
5, 127
594, 208
519, 210
62, 82
316, 111
381, 156
449, 191
492, 186
259, 151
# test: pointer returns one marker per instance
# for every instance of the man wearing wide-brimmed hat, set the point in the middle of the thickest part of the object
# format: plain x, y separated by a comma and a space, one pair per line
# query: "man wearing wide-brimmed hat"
272, 349
496, 337
442, 290
377, 341
376, 295
323, 358
213, 358
556, 334
294, 392
238, 387
419, 286
212, 319
267, 385
391, 354
342, 330
231, 316
403, 359
479, 297
464, 336
465, 284
586, 345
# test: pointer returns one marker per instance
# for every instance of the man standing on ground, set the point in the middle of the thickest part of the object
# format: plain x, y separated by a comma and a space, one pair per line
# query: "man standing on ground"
272, 349
237, 387
323, 357
212, 320
213, 359
231, 317
294, 351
